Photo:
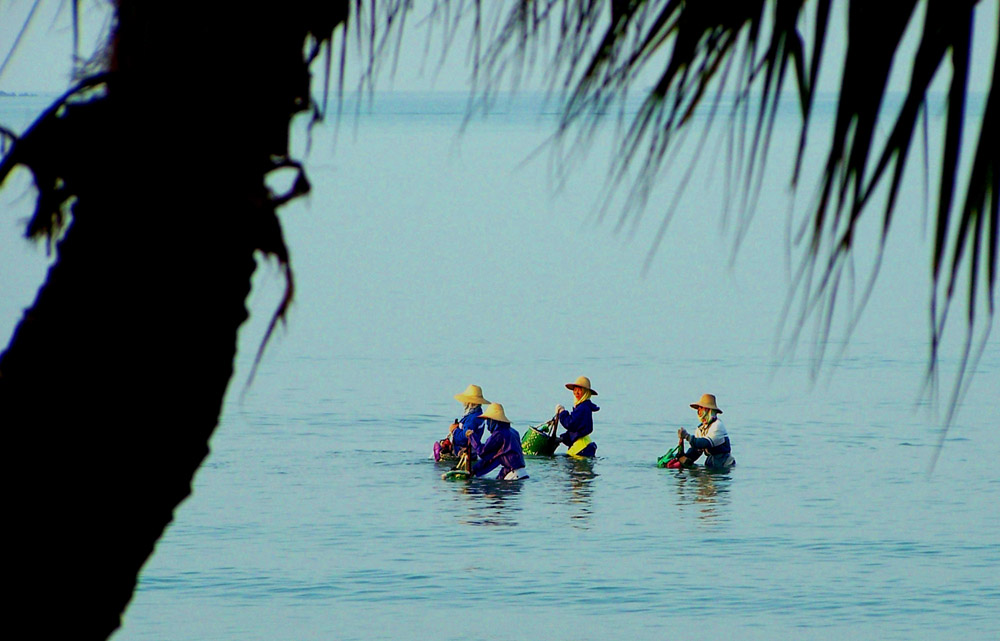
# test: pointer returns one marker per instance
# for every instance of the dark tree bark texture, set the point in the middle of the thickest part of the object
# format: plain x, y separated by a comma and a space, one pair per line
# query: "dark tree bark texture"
113, 382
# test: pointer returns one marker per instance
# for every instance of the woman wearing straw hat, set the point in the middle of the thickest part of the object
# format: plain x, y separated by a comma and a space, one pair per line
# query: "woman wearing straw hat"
710, 438
502, 448
472, 399
580, 422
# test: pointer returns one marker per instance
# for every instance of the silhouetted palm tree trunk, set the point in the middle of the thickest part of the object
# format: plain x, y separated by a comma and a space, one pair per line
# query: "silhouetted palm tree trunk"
114, 380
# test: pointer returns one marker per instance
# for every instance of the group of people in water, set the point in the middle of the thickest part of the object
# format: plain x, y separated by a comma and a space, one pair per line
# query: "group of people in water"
502, 447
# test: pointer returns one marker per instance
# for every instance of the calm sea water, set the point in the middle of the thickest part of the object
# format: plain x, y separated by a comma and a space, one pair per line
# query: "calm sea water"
427, 260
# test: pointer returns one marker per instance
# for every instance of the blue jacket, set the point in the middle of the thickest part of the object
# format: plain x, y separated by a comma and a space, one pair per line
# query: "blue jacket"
579, 423
503, 447
470, 421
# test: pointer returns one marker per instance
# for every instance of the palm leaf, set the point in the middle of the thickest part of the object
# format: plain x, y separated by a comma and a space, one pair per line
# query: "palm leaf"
602, 48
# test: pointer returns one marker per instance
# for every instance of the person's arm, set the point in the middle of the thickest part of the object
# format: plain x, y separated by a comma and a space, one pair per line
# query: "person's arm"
489, 457
478, 426
474, 437
563, 418
712, 438
688, 458
468, 422
700, 443
578, 422
694, 452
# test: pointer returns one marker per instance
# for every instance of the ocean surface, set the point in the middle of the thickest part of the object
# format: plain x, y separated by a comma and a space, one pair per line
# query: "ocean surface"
436, 252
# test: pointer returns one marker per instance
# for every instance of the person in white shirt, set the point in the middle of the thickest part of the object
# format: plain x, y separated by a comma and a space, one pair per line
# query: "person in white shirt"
710, 437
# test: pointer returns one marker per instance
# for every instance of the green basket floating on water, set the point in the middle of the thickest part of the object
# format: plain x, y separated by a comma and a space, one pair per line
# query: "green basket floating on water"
535, 442
671, 454
463, 470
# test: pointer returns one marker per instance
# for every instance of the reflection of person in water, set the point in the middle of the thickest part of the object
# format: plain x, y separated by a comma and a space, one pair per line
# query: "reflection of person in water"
581, 488
491, 504
704, 490
495, 493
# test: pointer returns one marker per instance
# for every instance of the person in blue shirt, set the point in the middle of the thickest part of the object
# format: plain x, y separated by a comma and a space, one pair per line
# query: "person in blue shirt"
456, 441
502, 449
580, 422
710, 438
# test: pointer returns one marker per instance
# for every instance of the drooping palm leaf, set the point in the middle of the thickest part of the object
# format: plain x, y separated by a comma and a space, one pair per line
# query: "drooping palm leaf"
603, 48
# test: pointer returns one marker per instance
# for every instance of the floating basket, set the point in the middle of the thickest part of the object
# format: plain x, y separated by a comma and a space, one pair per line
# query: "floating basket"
538, 443
456, 475
671, 454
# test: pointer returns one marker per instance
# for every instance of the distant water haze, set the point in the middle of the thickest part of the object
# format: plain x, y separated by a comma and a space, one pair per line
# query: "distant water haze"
429, 256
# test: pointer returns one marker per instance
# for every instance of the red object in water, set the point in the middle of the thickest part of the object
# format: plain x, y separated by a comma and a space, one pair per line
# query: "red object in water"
673, 464
441, 447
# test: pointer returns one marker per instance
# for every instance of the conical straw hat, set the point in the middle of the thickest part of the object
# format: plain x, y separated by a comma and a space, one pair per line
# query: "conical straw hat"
583, 382
472, 394
707, 400
495, 411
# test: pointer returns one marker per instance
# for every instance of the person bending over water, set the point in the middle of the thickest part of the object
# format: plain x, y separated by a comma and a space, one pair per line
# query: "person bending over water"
710, 437
456, 441
579, 423
502, 448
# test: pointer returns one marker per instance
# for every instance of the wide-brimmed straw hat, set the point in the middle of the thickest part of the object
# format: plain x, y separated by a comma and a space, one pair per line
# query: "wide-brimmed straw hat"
583, 382
472, 394
495, 411
707, 400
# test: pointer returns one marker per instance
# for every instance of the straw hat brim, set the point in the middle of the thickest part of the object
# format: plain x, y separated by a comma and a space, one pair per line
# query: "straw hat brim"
708, 401
570, 386
464, 399
496, 413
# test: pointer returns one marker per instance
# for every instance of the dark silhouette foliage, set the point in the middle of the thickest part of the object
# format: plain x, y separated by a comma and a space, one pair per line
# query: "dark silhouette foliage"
151, 185
698, 53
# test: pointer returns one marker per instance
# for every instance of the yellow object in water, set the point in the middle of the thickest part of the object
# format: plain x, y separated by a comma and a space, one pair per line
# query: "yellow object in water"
578, 445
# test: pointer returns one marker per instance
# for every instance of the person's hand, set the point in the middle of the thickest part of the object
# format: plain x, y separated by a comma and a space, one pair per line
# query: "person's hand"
454, 426
560, 409
683, 434
469, 433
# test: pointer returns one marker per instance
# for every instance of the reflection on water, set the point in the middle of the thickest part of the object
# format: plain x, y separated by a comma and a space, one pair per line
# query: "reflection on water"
705, 490
325, 488
579, 476
564, 484
491, 502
